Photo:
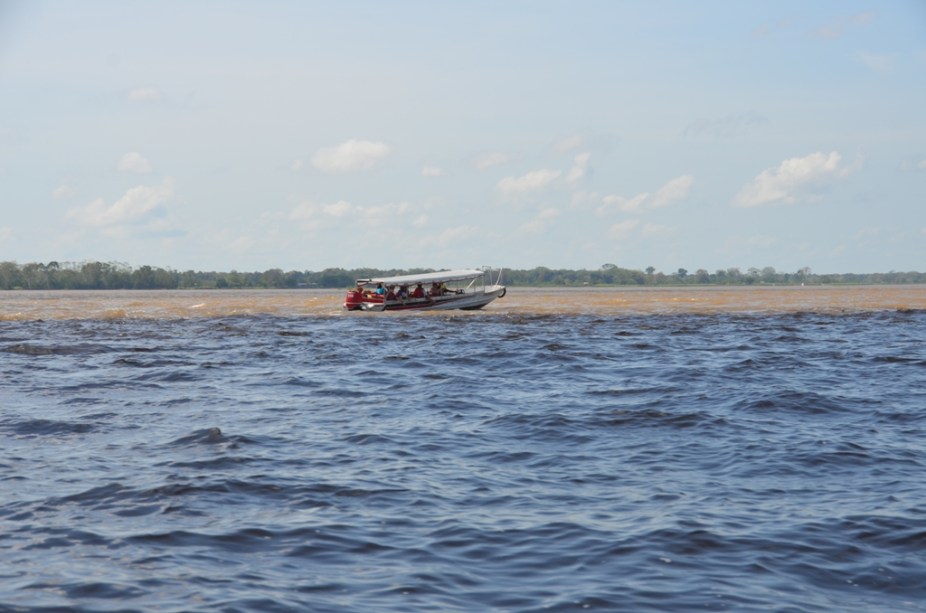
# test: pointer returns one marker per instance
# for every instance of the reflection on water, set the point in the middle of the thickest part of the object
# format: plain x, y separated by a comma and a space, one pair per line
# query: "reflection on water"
33, 305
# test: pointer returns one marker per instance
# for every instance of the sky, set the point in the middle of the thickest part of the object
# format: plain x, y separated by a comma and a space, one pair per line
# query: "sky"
303, 135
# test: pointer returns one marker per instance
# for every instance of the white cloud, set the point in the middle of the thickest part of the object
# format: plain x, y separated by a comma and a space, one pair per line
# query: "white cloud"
541, 221
623, 229
626, 205
241, 244
774, 28
672, 191
579, 167
488, 160
307, 210
450, 235
569, 143
582, 199
832, 30
297, 165
134, 163
532, 181
837, 28
912, 165
652, 230
307, 217
302, 211
761, 240
141, 204
340, 208
729, 126
314, 216
431, 171
548, 213
785, 183
62, 192
385, 211
349, 156
145, 94
876, 62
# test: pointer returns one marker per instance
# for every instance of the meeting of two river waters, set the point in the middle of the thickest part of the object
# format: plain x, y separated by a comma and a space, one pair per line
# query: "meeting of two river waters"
743, 449
462, 307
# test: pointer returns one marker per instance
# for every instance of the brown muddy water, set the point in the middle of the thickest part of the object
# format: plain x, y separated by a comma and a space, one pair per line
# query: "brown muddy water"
159, 304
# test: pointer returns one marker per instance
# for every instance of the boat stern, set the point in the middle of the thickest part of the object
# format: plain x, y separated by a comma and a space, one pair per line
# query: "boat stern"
354, 300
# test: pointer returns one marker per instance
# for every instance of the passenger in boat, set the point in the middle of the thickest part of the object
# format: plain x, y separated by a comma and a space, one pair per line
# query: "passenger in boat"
380, 290
403, 292
362, 292
390, 293
435, 289
418, 292
443, 289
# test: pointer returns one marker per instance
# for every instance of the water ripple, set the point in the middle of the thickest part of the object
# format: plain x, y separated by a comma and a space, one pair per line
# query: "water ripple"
486, 461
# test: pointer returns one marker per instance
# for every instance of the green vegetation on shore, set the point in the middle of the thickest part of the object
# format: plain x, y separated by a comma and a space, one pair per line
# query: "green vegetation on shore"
100, 275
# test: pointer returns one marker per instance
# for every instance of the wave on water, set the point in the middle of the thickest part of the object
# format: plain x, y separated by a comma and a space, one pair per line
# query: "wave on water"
477, 462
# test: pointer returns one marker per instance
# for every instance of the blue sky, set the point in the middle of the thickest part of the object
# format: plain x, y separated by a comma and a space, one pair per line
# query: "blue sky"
304, 135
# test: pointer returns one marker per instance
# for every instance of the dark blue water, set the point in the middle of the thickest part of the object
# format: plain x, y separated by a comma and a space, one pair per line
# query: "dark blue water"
465, 462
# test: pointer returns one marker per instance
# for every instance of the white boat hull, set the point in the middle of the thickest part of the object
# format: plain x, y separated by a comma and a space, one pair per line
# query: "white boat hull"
466, 301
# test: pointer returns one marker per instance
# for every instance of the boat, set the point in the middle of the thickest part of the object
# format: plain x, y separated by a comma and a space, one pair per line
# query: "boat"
448, 289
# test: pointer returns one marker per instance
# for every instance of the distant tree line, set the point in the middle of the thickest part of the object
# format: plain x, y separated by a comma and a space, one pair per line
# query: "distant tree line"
109, 275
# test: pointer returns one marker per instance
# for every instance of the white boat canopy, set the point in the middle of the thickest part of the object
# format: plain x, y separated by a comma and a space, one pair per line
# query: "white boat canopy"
427, 277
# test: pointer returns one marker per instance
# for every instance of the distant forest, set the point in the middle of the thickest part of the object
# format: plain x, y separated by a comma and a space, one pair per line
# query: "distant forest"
109, 275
